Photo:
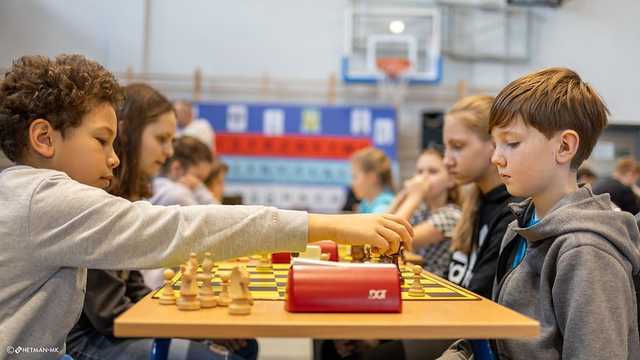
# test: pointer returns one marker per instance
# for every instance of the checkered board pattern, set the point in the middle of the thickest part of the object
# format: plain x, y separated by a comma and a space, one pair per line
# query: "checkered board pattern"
272, 284
435, 288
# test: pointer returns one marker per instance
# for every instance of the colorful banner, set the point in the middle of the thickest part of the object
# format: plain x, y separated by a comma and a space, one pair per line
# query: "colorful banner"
314, 147
296, 156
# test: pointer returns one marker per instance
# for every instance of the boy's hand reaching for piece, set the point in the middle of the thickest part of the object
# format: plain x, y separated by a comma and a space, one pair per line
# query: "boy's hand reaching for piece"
386, 232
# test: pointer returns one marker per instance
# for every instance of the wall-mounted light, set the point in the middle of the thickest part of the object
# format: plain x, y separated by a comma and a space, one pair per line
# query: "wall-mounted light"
396, 26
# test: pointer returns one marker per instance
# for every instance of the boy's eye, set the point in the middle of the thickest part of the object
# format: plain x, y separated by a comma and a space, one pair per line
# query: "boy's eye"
513, 145
102, 141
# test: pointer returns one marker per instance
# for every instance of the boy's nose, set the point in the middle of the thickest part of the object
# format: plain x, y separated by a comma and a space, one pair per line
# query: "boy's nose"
497, 159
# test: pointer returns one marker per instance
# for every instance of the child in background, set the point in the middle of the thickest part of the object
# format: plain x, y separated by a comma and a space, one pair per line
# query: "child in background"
430, 201
620, 185
199, 128
371, 184
372, 180
180, 181
215, 181
485, 214
182, 176
146, 129
58, 124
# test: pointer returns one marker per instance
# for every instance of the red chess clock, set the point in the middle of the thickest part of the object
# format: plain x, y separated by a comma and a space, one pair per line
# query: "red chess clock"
281, 258
358, 288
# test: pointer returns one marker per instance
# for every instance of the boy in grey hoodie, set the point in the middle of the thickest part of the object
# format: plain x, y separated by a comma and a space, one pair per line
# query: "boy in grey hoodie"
58, 124
568, 260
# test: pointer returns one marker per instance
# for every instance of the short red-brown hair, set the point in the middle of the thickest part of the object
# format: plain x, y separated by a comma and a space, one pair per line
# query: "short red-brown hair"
552, 100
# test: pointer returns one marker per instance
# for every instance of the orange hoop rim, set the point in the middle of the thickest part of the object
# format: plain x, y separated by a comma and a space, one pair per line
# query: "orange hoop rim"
393, 67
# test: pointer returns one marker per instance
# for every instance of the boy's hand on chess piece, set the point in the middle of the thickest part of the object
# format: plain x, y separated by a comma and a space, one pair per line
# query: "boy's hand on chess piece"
385, 232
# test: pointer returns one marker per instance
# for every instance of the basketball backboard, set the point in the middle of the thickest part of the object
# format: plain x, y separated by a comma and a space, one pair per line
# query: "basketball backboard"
374, 33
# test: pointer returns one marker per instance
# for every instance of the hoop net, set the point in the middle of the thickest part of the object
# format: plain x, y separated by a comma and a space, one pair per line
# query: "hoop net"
394, 86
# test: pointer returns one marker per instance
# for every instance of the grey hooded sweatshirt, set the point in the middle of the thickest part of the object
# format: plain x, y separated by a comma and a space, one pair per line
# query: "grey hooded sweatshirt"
575, 279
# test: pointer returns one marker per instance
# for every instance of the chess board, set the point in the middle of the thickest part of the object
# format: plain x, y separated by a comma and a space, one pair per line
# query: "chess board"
272, 284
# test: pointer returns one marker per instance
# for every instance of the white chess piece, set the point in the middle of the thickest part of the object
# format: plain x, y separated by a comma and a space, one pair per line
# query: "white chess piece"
208, 299
312, 252
188, 299
416, 288
167, 295
223, 297
241, 300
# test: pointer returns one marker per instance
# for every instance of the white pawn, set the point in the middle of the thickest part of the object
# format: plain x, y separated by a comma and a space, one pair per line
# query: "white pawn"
188, 299
223, 297
167, 295
208, 299
416, 288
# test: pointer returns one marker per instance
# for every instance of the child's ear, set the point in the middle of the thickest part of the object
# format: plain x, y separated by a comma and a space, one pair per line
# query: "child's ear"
569, 141
41, 138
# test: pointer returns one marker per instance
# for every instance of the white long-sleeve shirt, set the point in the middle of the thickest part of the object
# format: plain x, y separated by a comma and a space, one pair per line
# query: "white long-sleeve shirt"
166, 193
52, 228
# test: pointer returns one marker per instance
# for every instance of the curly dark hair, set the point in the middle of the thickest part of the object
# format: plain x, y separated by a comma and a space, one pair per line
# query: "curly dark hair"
60, 90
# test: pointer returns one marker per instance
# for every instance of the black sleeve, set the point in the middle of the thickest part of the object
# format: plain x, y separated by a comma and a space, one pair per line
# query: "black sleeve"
486, 265
621, 195
106, 298
136, 288
629, 201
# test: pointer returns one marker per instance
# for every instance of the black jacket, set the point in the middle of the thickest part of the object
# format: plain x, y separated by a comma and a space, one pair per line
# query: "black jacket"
109, 294
621, 194
475, 271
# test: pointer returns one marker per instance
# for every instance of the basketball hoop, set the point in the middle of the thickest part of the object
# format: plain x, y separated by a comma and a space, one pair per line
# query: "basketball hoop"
394, 86
393, 67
